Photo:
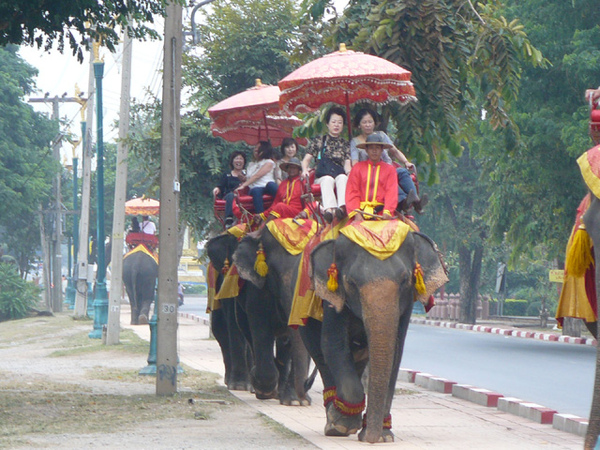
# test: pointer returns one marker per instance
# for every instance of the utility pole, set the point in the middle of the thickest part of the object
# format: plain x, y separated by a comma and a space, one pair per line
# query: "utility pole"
118, 229
166, 349
86, 186
56, 250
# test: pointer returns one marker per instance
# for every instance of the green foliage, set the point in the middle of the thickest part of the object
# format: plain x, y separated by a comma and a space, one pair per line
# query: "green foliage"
462, 59
43, 23
26, 163
514, 307
17, 296
192, 289
538, 185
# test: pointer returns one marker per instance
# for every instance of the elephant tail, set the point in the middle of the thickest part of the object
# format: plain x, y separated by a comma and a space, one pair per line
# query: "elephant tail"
310, 380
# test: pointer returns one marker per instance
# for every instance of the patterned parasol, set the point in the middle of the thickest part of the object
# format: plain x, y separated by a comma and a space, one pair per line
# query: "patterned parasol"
345, 77
252, 116
142, 206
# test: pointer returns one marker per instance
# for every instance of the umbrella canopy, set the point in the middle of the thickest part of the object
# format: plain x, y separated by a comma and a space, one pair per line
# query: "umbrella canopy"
142, 206
252, 116
345, 77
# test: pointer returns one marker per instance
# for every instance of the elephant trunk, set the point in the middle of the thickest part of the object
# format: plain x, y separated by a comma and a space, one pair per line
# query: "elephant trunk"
381, 313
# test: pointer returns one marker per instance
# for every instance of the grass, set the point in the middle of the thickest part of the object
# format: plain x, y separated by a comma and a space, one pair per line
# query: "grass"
32, 403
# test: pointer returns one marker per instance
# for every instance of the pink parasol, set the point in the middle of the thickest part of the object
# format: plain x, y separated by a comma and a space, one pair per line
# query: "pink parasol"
142, 206
252, 116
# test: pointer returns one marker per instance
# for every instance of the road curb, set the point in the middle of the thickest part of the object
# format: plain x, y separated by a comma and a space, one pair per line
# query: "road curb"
550, 337
193, 317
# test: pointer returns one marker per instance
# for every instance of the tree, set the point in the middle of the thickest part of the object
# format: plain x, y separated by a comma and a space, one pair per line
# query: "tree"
46, 22
239, 42
463, 58
26, 163
538, 184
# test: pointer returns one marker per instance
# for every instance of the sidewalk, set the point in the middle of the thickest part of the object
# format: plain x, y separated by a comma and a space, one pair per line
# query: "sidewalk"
421, 417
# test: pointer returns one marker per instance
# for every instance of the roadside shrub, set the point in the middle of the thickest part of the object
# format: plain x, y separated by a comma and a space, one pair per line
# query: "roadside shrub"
533, 309
198, 289
17, 296
515, 307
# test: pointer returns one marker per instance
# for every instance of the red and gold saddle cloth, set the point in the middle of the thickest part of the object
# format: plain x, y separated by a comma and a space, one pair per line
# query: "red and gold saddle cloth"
578, 293
142, 248
305, 303
293, 234
381, 238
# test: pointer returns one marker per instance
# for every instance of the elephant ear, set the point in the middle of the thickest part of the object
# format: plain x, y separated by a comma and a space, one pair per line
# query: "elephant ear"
321, 259
245, 257
435, 274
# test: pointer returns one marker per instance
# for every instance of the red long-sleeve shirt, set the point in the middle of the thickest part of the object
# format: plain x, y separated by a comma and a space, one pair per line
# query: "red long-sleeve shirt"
370, 185
287, 201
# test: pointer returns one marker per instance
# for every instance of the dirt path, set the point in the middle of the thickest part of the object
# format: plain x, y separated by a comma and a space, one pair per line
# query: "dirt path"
58, 388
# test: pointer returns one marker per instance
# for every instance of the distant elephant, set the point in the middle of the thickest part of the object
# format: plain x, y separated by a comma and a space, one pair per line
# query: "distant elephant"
140, 271
380, 294
229, 323
277, 289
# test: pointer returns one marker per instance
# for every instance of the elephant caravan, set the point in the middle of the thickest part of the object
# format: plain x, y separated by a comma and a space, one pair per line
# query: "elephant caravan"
349, 304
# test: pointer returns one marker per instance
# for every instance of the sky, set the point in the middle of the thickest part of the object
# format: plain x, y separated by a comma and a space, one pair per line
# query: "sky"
58, 74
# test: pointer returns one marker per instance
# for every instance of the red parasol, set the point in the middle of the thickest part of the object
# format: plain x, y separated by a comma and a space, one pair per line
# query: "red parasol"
142, 206
252, 116
345, 77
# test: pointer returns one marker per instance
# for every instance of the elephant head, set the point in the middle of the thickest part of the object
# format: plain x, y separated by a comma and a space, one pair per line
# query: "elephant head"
381, 293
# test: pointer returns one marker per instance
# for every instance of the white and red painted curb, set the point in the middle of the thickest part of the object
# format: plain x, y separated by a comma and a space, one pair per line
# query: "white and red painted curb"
551, 337
532, 411
194, 317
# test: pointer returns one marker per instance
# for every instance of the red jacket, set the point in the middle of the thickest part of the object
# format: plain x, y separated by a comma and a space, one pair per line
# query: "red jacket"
287, 201
370, 185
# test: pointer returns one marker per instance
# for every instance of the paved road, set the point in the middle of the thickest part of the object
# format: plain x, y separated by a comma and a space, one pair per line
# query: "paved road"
555, 375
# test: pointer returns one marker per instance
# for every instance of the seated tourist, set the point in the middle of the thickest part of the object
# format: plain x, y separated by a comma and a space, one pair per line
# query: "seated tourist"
288, 200
372, 187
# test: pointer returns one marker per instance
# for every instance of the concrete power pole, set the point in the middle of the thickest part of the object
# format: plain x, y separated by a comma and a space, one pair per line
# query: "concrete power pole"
55, 248
166, 349
116, 288
84, 219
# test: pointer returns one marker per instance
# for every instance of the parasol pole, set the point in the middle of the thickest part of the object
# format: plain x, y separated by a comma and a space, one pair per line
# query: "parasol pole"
348, 117
266, 126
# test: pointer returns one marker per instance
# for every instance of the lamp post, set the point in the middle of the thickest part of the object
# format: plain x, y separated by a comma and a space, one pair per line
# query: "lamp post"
101, 298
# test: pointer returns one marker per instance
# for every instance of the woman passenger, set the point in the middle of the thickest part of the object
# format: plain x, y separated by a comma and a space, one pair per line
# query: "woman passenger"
260, 176
229, 182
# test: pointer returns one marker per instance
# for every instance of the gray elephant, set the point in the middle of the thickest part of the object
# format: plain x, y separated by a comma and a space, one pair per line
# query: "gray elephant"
140, 271
373, 303
590, 171
277, 287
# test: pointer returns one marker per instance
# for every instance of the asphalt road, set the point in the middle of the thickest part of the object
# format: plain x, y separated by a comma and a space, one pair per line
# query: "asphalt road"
556, 375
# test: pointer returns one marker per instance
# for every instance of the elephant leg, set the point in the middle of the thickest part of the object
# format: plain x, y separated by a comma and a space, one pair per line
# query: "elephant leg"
132, 304
300, 365
239, 374
264, 374
345, 417
218, 325
283, 362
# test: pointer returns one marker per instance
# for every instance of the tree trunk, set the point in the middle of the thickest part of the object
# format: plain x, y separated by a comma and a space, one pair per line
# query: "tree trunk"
470, 275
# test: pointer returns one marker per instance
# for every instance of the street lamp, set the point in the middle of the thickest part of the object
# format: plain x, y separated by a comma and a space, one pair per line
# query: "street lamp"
101, 298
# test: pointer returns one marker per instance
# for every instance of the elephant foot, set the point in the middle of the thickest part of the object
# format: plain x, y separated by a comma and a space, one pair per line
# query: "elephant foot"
143, 319
339, 424
266, 395
289, 397
134, 322
385, 436
239, 386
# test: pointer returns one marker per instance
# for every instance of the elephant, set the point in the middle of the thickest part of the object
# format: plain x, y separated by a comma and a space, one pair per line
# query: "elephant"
271, 319
270, 374
229, 323
591, 219
368, 312
140, 271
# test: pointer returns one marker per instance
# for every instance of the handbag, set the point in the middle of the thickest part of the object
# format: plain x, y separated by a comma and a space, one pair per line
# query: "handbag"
327, 166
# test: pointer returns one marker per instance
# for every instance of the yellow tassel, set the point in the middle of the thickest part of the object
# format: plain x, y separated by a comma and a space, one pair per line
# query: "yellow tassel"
260, 265
579, 257
225, 268
332, 282
419, 281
